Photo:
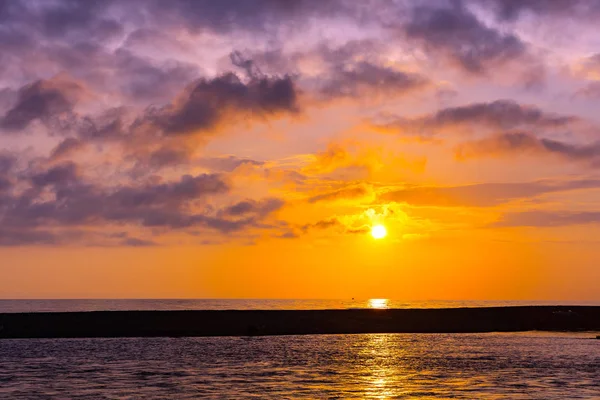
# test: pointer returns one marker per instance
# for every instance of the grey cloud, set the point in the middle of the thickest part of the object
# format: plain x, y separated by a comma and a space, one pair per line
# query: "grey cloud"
548, 219
136, 242
485, 194
75, 203
79, 202
252, 207
496, 115
589, 91
59, 175
510, 10
66, 148
513, 143
41, 100
207, 102
256, 16
227, 163
462, 37
345, 193
348, 80
322, 224
26, 238
7, 161
352, 69
169, 156
336, 224
145, 80
501, 114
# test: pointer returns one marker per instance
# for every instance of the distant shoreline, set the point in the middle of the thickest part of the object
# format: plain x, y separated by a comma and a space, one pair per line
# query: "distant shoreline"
297, 322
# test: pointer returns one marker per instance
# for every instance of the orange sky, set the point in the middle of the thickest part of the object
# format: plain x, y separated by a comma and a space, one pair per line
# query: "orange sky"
172, 155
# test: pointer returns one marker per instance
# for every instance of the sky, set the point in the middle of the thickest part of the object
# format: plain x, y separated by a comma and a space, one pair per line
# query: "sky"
245, 149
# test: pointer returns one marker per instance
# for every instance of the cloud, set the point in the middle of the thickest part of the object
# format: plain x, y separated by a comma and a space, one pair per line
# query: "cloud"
135, 242
239, 15
515, 143
60, 199
226, 163
166, 156
66, 148
508, 10
461, 37
342, 194
207, 102
26, 238
589, 91
76, 202
7, 161
501, 114
322, 224
484, 194
356, 68
368, 78
41, 100
547, 219
252, 208
59, 175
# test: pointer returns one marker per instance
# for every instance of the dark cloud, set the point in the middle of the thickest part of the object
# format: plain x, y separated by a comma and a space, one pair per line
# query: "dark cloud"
334, 224
253, 208
72, 17
135, 242
62, 19
460, 36
548, 219
510, 10
500, 114
340, 194
73, 202
59, 175
226, 163
322, 224
66, 148
137, 78
240, 15
515, 143
497, 115
169, 156
208, 101
484, 194
27, 238
147, 81
76, 202
7, 161
352, 80
589, 91
353, 69
41, 100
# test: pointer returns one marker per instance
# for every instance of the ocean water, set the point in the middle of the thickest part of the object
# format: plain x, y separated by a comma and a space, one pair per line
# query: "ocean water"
367, 366
10, 306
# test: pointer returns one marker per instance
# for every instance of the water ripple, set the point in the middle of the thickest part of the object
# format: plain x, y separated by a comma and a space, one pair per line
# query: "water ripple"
459, 366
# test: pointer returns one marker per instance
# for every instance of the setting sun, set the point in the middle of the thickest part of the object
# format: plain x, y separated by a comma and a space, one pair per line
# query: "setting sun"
378, 232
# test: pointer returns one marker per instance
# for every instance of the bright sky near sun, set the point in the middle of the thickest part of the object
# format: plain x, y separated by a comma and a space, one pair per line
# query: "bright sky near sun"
309, 149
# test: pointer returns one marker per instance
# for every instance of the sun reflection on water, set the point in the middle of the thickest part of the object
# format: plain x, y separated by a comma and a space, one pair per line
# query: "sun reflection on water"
383, 374
378, 303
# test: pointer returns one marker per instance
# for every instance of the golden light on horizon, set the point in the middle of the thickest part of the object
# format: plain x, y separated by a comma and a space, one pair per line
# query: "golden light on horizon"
378, 303
378, 231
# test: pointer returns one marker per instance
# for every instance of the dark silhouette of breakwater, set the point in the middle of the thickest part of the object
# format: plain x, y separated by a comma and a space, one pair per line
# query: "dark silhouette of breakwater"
297, 322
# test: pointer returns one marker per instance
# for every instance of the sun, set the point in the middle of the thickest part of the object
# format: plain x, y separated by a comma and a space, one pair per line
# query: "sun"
378, 231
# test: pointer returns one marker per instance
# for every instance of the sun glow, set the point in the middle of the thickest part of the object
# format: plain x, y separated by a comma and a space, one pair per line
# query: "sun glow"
378, 232
378, 303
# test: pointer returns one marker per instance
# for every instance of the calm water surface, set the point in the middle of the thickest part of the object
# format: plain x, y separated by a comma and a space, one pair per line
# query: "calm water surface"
248, 304
458, 366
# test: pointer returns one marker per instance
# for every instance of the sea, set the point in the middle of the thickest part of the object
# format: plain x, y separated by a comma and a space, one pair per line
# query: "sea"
525, 365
